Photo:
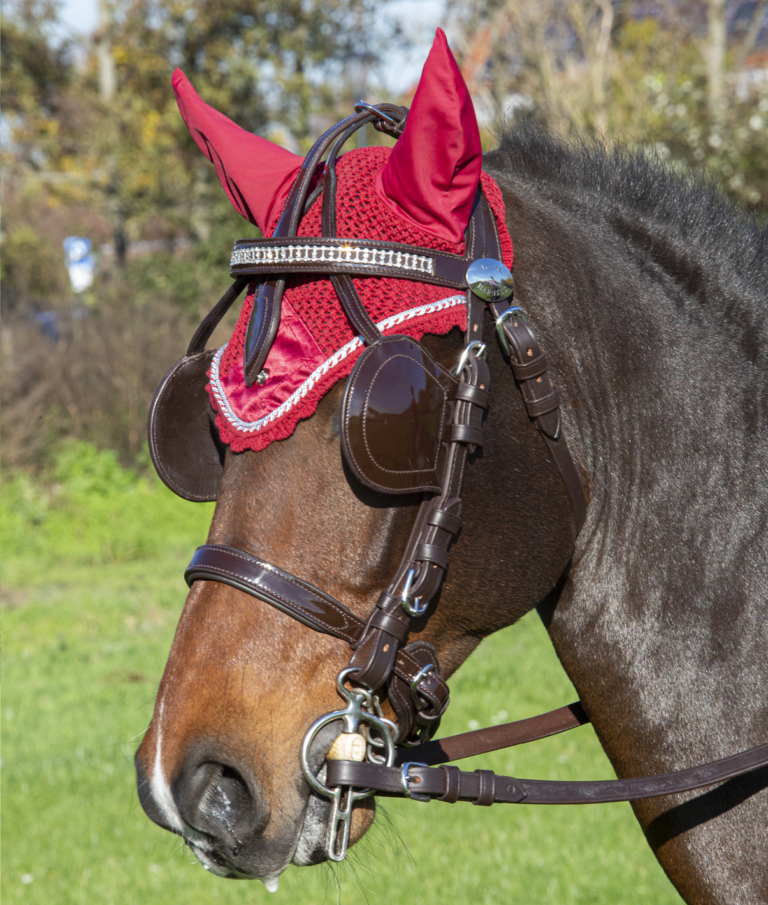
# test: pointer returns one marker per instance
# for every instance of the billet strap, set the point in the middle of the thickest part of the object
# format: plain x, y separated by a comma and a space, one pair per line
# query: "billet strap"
483, 787
541, 398
301, 600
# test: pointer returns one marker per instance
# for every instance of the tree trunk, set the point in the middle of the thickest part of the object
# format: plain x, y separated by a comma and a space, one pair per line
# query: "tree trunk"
716, 64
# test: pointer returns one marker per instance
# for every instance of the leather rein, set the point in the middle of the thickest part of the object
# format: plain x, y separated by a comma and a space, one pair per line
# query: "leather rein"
382, 663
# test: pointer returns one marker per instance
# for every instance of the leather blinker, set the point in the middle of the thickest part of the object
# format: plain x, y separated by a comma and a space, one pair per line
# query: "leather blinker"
183, 441
395, 411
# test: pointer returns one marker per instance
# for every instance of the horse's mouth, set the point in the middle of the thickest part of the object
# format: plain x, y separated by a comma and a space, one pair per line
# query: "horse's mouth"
216, 863
309, 848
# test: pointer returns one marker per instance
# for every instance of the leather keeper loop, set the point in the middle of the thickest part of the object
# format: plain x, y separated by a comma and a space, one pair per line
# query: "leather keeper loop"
475, 395
452, 782
543, 406
389, 624
530, 369
388, 602
441, 518
431, 553
486, 781
465, 433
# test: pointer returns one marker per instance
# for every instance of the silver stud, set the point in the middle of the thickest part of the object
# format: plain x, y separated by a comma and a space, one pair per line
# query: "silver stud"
263, 377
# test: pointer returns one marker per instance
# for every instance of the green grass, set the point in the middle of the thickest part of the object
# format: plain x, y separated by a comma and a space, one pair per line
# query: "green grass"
85, 645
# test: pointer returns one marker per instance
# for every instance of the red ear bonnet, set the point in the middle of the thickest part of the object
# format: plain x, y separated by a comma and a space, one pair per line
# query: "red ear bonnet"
420, 193
432, 175
256, 174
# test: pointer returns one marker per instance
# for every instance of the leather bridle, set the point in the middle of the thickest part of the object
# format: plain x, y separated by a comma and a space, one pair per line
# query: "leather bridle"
382, 662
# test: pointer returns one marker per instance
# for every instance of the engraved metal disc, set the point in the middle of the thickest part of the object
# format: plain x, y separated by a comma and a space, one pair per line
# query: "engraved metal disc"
489, 279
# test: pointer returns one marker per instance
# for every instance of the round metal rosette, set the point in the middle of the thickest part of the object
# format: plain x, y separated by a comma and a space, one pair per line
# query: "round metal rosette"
489, 279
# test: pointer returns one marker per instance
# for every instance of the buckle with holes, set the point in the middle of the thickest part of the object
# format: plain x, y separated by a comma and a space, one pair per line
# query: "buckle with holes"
406, 779
500, 326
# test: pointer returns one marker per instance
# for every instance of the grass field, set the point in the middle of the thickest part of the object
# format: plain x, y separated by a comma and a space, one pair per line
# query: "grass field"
89, 614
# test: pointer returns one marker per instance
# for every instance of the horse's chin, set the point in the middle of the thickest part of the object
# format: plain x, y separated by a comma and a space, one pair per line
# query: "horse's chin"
308, 848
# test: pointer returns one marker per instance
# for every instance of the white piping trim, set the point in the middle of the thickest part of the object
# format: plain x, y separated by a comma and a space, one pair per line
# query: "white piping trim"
250, 427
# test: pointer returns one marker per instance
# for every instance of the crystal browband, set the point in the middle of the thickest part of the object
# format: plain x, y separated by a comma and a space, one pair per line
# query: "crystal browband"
332, 254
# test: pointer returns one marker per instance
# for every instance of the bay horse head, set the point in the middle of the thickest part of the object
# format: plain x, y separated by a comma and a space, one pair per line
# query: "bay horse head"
346, 433
220, 763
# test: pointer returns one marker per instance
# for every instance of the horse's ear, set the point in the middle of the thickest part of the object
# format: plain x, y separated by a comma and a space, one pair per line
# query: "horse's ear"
256, 174
432, 174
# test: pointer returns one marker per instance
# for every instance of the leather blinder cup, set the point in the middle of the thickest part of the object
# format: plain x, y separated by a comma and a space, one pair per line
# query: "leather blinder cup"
183, 441
395, 413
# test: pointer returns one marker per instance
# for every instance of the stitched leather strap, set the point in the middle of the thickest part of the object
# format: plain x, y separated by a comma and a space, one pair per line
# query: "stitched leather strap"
479, 788
362, 323
493, 738
301, 600
261, 335
542, 401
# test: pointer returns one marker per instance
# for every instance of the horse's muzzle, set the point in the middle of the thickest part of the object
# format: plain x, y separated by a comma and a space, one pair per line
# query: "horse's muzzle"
217, 804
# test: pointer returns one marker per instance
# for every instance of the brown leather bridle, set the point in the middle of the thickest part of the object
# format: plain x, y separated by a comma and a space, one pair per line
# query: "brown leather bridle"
382, 663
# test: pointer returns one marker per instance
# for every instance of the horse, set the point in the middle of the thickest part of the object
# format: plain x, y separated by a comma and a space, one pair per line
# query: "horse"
648, 292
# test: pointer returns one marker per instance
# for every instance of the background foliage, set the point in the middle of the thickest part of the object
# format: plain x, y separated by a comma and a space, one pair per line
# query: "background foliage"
93, 145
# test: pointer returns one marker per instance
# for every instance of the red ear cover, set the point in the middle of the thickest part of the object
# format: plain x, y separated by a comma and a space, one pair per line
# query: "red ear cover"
256, 174
432, 174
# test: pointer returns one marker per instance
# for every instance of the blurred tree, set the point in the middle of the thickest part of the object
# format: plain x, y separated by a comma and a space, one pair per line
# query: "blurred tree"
93, 144
687, 81
109, 137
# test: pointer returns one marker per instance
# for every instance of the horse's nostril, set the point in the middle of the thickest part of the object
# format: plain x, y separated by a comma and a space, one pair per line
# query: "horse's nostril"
216, 799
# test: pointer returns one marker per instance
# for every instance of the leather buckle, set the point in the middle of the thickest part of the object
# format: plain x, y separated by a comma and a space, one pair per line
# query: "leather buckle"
406, 779
425, 670
500, 327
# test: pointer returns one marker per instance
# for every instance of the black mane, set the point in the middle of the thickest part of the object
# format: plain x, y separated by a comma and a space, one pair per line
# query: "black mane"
679, 206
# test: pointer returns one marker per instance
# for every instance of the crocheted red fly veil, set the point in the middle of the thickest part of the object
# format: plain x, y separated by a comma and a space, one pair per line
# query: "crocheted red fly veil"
420, 193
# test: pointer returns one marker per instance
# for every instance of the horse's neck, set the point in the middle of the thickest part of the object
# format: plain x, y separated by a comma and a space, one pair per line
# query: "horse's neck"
662, 624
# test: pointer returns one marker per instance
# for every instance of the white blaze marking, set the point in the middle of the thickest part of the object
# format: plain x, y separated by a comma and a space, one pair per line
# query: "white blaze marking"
161, 791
